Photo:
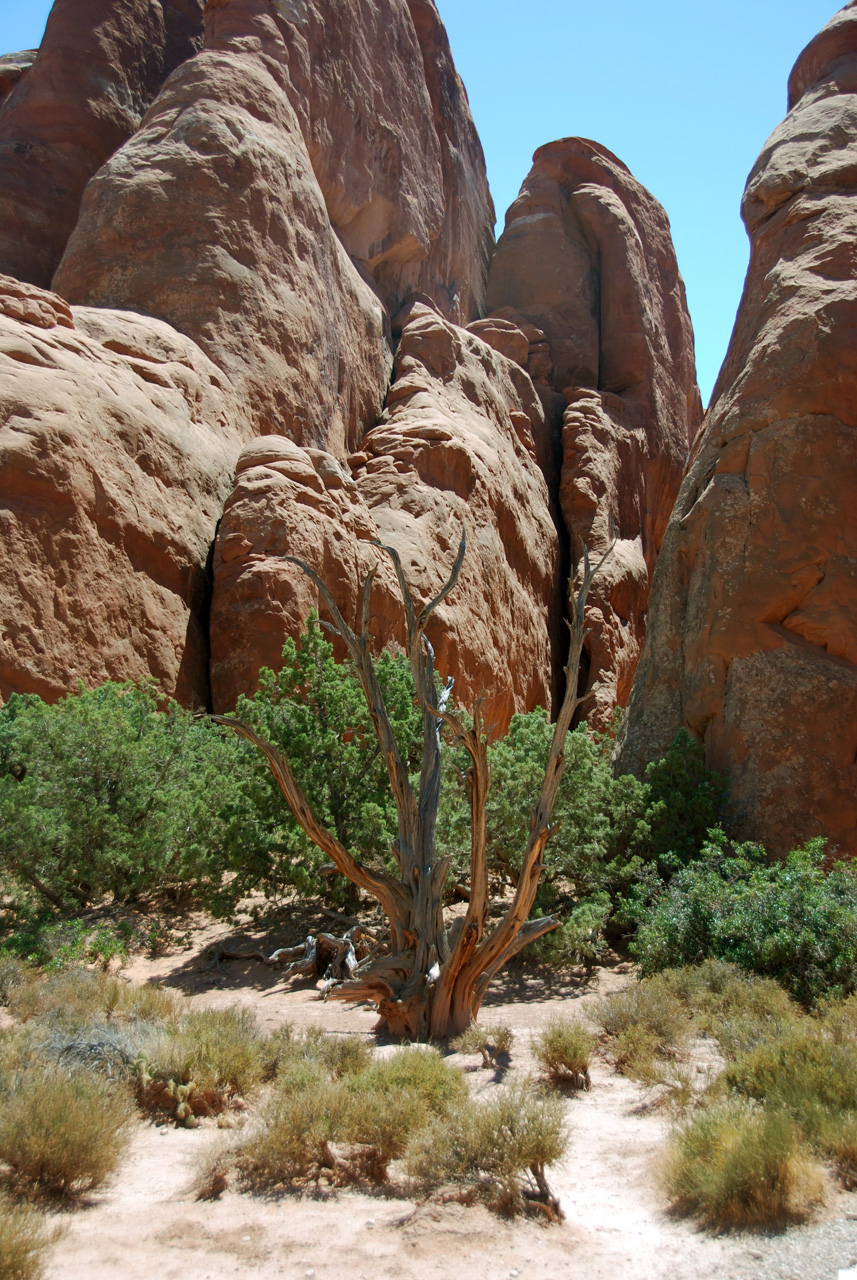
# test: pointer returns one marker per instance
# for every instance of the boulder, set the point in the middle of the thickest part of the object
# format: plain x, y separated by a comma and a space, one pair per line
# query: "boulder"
116, 454
100, 65
586, 268
454, 449
752, 642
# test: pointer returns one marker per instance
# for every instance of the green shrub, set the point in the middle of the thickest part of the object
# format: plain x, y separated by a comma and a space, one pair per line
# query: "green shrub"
63, 1133
804, 1073
794, 921
24, 1241
103, 794
314, 712
564, 1050
489, 1146
738, 1164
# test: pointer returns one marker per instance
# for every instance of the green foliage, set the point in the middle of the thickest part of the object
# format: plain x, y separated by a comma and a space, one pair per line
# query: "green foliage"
617, 838
737, 1164
794, 921
105, 795
314, 712
63, 1133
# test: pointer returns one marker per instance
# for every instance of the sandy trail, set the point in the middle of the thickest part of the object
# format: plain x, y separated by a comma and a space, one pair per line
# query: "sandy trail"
148, 1223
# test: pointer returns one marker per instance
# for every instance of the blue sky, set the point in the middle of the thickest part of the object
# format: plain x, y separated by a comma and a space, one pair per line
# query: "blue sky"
685, 93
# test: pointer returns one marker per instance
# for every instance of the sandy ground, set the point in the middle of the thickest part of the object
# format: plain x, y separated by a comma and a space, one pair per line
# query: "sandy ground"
149, 1223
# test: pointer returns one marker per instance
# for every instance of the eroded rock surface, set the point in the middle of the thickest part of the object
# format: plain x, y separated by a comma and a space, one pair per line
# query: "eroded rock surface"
116, 455
454, 447
13, 68
281, 174
587, 270
99, 67
752, 639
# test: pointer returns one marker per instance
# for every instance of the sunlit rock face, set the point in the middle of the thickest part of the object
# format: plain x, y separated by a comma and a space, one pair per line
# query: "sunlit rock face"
752, 641
586, 268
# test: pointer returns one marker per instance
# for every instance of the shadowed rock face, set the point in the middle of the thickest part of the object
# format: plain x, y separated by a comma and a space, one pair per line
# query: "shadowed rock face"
586, 267
752, 640
99, 67
13, 68
116, 452
454, 447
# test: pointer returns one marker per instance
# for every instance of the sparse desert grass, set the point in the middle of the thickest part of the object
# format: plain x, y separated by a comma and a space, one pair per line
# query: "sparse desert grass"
219, 1050
812, 1077
63, 1133
13, 973
316, 1107
651, 1005
489, 1041
149, 1003
564, 1051
489, 1147
24, 1241
738, 1164
337, 1055
66, 998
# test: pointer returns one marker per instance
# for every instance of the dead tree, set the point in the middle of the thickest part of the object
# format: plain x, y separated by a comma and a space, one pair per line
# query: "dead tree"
431, 982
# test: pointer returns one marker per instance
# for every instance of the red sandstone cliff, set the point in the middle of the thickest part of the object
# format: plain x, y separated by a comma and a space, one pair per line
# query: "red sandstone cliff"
752, 641
587, 261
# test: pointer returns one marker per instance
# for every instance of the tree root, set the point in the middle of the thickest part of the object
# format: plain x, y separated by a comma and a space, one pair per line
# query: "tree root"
322, 954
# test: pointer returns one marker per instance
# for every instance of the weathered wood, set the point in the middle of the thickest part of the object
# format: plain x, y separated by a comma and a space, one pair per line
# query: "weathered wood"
430, 980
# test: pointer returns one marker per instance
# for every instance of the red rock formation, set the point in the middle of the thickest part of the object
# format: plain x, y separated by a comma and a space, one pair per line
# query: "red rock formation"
115, 459
752, 639
13, 68
100, 64
279, 172
454, 447
587, 268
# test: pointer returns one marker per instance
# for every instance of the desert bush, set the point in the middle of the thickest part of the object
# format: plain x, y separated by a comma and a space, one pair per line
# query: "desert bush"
490, 1146
13, 973
149, 1003
739, 1009
24, 1241
487, 1041
794, 921
313, 1111
221, 1051
739, 1164
805, 1073
564, 1050
63, 1133
68, 997
650, 1006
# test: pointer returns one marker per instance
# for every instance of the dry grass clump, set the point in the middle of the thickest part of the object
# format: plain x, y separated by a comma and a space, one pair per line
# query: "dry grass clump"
13, 973
149, 1003
61, 1133
488, 1148
337, 1055
24, 1242
564, 1051
67, 998
346, 1121
487, 1041
736, 1164
652, 1006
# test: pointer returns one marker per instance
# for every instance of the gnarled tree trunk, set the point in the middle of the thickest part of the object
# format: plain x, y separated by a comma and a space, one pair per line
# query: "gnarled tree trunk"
431, 984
